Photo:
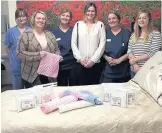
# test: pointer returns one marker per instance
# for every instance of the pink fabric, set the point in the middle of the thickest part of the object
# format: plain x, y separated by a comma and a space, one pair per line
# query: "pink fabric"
49, 65
46, 98
54, 104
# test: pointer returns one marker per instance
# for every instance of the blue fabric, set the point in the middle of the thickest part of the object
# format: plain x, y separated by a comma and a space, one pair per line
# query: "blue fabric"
89, 97
11, 40
64, 43
84, 95
117, 46
17, 82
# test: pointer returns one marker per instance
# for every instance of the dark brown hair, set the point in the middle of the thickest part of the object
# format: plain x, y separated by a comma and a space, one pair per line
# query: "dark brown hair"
89, 5
116, 14
20, 12
64, 10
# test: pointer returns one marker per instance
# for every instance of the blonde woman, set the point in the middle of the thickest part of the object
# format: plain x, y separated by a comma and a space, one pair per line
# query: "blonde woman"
88, 45
31, 44
144, 42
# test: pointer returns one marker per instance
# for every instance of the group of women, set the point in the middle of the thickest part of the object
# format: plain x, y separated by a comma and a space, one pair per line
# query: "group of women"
90, 53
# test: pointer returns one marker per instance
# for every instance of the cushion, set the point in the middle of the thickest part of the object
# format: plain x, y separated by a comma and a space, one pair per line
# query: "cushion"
153, 83
142, 73
74, 106
148, 76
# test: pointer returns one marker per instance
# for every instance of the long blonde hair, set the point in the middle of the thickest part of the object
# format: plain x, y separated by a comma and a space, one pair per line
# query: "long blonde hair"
137, 30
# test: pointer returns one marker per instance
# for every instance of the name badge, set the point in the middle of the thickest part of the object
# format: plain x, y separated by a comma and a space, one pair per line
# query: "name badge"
123, 44
108, 40
58, 39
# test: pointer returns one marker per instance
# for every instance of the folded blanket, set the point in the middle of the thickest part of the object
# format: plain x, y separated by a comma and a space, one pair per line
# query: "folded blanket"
74, 105
49, 65
55, 103
83, 95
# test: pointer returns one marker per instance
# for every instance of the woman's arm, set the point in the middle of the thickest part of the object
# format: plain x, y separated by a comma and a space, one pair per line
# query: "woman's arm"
155, 46
57, 50
156, 43
121, 59
100, 50
74, 44
22, 49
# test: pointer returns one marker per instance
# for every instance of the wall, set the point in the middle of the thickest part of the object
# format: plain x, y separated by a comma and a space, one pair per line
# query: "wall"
7, 20
127, 10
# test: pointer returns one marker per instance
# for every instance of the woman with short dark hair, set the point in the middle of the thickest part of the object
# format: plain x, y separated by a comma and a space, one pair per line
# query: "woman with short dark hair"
63, 36
117, 68
11, 40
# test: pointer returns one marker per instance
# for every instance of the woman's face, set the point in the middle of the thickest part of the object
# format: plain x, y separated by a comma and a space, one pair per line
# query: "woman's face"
91, 13
143, 20
22, 19
40, 20
113, 21
65, 18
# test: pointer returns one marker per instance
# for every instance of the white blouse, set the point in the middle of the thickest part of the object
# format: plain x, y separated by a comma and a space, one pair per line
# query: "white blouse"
91, 44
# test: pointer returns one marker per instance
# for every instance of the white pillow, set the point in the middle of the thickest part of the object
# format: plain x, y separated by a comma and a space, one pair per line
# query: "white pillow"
74, 105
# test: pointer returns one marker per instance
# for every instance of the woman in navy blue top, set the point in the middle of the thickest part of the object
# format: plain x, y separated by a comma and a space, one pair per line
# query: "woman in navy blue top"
63, 36
117, 64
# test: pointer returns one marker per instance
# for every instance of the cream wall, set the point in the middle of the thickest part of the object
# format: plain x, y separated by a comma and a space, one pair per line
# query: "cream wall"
8, 8
12, 9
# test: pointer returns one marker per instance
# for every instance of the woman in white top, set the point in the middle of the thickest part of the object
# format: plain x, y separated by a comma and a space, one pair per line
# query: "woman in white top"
144, 42
88, 45
31, 47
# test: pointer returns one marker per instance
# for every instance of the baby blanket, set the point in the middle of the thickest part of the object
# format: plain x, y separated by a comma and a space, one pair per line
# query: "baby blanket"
55, 103
49, 65
83, 95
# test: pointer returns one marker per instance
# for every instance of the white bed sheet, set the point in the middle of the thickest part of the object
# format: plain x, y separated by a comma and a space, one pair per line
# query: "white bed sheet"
144, 117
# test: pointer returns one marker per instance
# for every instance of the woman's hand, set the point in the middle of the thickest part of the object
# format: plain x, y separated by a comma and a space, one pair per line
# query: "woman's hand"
109, 60
136, 68
89, 64
43, 53
132, 61
117, 61
61, 59
82, 62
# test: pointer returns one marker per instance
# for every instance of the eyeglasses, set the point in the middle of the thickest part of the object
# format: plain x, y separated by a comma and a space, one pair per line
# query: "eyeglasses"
22, 17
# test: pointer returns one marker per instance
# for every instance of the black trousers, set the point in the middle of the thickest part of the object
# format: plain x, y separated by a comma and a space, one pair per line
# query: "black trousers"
41, 79
65, 78
104, 79
86, 76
